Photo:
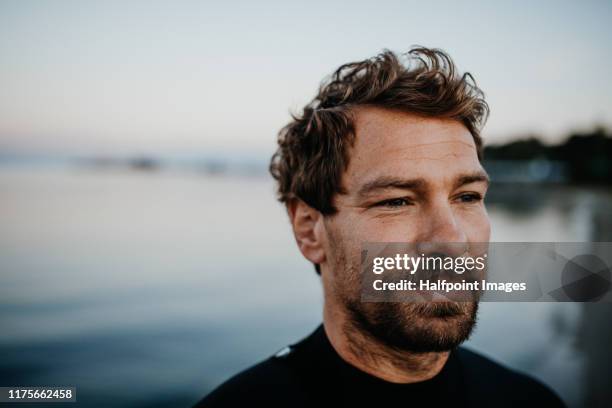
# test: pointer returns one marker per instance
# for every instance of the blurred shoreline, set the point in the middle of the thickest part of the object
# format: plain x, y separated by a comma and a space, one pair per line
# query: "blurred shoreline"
581, 159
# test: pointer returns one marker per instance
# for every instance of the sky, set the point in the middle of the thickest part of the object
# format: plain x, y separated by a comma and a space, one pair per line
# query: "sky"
104, 77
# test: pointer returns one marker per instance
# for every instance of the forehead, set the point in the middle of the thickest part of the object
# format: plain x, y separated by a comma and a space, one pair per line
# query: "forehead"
391, 143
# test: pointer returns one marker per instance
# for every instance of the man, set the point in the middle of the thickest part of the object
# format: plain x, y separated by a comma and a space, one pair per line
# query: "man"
388, 151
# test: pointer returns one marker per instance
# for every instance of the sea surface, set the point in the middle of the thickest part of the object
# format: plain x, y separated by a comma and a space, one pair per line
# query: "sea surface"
149, 288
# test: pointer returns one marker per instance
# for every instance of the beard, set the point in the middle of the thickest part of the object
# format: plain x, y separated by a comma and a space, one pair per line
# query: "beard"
417, 327
413, 327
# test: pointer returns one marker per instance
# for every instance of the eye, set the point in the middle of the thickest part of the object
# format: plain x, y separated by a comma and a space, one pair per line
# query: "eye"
470, 197
393, 203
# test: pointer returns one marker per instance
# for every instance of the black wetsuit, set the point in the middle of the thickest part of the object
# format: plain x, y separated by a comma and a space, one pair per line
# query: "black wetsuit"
311, 374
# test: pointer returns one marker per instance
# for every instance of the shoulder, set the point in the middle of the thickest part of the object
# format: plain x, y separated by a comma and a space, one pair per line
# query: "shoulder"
271, 382
489, 380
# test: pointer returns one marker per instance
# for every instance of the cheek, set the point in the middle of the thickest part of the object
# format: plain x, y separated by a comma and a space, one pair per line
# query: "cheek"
406, 228
390, 229
476, 225
345, 239
344, 256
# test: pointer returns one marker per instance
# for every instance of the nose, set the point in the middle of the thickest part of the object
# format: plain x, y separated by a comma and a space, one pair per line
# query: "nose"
442, 233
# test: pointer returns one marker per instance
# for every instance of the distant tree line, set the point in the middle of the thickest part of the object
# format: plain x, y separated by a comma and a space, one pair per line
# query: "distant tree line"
588, 156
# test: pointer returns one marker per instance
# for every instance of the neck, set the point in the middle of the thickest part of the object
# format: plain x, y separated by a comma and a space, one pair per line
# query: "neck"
371, 356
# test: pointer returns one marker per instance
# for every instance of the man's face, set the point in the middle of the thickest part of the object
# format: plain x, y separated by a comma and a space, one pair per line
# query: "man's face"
415, 180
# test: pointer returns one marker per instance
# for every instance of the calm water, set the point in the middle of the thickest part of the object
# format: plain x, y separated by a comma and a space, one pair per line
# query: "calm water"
150, 288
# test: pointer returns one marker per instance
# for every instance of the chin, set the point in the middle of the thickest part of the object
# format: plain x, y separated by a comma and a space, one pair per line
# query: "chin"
416, 327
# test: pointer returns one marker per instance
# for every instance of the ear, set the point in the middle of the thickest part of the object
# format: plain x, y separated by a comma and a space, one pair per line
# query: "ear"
308, 229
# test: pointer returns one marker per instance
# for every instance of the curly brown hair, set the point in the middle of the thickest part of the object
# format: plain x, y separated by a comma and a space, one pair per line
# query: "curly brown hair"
313, 148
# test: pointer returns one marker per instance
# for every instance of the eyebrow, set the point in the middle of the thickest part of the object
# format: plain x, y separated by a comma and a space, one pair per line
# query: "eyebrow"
387, 182
417, 184
476, 177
